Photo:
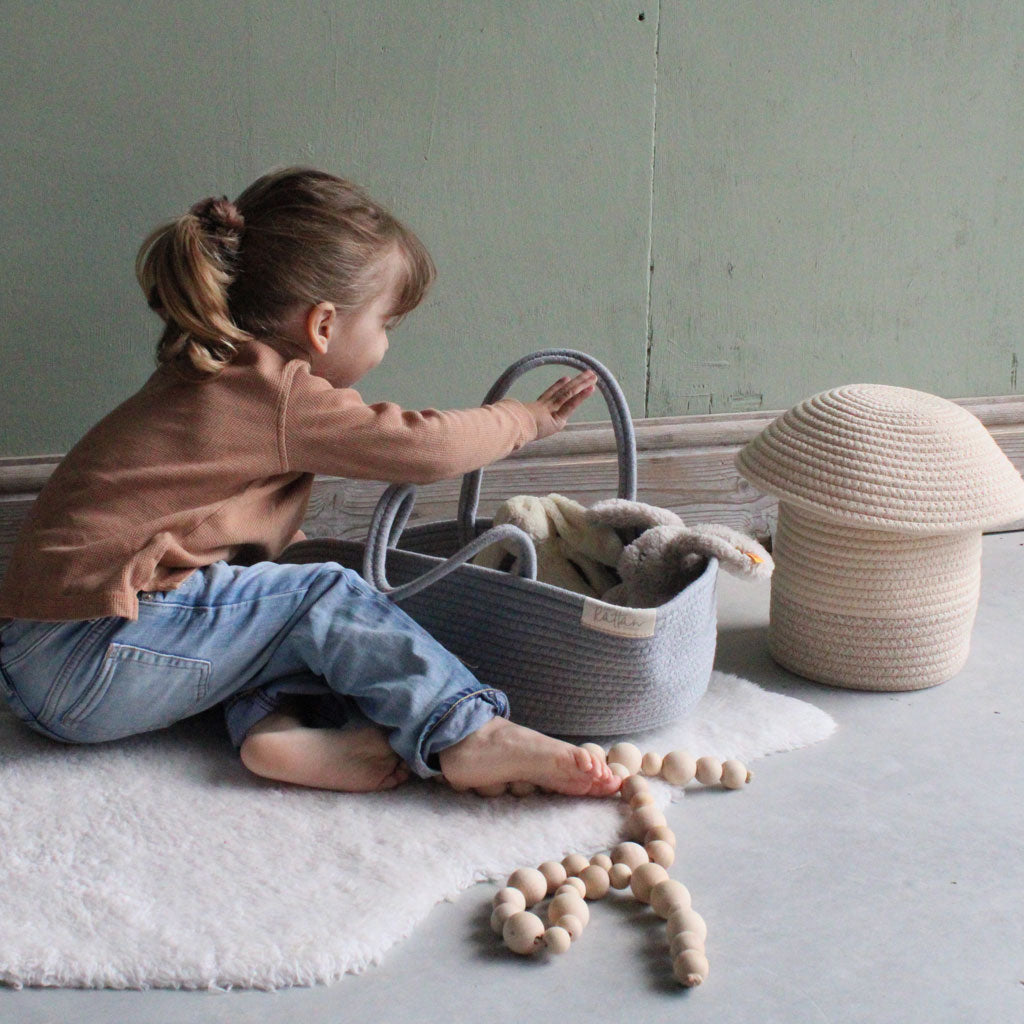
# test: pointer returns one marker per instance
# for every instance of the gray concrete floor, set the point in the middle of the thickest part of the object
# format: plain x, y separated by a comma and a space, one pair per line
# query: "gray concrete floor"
877, 876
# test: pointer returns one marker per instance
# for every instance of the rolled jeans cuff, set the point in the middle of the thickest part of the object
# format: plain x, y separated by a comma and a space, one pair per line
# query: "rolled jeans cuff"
466, 712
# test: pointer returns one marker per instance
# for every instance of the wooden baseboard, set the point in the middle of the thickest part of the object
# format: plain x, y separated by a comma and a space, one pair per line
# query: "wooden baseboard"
685, 463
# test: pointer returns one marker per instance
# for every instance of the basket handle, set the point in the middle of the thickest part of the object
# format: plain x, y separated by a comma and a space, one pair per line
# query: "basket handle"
389, 519
395, 505
622, 425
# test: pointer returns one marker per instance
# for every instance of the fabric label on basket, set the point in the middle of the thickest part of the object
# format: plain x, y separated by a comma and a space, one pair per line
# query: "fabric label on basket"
618, 621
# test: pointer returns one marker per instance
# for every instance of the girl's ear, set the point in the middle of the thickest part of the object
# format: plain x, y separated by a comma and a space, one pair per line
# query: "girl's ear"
320, 322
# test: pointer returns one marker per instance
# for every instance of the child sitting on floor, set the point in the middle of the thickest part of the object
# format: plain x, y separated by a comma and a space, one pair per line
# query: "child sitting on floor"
142, 590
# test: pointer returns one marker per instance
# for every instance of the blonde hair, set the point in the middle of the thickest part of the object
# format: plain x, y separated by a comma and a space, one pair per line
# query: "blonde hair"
227, 272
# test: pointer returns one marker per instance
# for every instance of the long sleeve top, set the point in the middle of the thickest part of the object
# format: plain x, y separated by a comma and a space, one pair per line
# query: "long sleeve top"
182, 474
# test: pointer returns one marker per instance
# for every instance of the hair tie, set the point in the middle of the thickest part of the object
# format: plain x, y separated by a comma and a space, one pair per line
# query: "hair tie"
220, 217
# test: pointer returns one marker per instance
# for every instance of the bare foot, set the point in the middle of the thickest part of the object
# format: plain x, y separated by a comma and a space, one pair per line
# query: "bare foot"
502, 751
354, 760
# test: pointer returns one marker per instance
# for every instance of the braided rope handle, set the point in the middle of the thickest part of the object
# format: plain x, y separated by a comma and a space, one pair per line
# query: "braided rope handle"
389, 519
622, 425
396, 503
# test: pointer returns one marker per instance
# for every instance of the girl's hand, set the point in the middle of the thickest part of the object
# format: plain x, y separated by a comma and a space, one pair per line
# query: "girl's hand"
552, 410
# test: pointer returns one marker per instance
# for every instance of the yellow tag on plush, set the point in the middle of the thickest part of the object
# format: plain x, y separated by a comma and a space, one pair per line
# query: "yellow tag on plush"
756, 559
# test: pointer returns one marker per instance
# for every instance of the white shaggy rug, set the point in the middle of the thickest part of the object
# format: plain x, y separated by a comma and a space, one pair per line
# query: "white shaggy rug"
161, 862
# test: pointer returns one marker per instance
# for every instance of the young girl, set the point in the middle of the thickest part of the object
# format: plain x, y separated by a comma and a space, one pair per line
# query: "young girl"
142, 590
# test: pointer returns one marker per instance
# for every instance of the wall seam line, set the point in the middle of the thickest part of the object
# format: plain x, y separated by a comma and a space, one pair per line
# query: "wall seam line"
650, 219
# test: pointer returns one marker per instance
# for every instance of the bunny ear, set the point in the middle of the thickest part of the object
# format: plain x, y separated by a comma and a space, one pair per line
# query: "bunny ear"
619, 512
739, 554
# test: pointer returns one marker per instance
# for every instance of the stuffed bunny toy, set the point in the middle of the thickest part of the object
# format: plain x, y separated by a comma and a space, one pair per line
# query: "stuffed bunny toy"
623, 552
668, 555
571, 553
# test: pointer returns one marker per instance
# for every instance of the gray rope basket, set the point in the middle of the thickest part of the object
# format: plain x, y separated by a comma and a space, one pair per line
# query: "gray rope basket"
570, 665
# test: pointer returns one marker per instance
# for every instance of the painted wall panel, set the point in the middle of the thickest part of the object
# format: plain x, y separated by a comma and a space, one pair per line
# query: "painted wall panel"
514, 138
827, 192
837, 198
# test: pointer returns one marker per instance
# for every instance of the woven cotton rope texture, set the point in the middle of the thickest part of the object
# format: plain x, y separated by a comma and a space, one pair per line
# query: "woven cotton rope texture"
159, 861
883, 494
894, 610
527, 637
886, 457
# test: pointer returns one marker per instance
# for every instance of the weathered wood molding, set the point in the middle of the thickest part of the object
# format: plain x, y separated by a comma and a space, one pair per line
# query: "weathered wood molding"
685, 463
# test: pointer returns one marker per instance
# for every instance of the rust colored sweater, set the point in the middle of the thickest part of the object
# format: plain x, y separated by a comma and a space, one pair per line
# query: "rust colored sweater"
181, 475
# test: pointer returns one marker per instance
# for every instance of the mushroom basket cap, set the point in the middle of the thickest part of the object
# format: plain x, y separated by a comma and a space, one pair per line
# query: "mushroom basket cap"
886, 458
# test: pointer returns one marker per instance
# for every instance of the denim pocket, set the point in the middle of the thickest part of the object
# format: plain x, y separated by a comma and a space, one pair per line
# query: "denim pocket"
136, 690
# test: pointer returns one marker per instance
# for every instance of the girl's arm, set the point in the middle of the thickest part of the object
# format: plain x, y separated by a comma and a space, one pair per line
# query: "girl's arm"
323, 429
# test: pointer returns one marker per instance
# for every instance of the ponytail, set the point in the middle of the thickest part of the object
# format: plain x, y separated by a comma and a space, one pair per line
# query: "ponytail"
309, 237
185, 268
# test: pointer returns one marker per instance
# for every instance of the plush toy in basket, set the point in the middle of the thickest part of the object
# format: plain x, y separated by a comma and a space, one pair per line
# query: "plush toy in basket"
571, 664
583, 550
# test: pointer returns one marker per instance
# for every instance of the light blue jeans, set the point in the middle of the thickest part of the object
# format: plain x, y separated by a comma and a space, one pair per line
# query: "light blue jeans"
249, 637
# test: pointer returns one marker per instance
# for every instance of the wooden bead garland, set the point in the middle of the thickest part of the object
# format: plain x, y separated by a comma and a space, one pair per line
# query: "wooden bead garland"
523, 932
531, 883
557, 939
619, 875
641, 864
510, 895
626, 754
554, 872
574, 884
596, 882
575, 863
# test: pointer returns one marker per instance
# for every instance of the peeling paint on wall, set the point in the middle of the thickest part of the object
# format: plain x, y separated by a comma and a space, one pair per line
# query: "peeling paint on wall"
1013, 372
746, 401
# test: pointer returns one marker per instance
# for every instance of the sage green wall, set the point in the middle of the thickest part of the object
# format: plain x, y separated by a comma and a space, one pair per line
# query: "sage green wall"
826, 192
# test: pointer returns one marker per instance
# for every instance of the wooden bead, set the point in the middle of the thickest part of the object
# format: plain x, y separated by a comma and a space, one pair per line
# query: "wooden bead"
644, 878
498, 789
632, 785
574, 884
626, 754
669, 895
596, 881
554, 873
684, 940
575, 863
690, 968
686, 921
641, 799
619, 770
572, 924
596, 751
557, 939
631, 854
651, 763
510, 895
522, 788
618, 877
568, 903
500, 914
523, 932
678, 768
642, 820
734, 774
709, 771
602, 860
662, 832
661, 853
531, 883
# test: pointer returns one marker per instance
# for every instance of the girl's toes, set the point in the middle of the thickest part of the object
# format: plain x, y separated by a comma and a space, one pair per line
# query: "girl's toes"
583, 759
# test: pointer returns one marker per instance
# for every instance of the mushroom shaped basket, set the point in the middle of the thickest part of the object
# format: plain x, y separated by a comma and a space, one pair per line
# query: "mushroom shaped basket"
883, 496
